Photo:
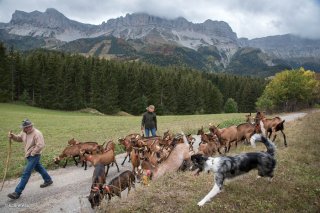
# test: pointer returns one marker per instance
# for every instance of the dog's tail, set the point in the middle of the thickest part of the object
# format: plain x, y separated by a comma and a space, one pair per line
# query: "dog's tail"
271, 148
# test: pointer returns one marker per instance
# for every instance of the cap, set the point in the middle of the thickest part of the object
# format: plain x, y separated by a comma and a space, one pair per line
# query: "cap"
26, 123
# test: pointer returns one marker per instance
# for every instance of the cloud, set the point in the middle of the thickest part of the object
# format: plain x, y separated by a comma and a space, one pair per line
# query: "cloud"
250, 18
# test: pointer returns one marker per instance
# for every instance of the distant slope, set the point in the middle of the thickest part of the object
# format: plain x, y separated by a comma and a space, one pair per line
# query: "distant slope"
252, 61
21, 42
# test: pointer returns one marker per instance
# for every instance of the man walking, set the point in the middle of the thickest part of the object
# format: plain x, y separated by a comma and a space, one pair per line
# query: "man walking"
149, 121
33, 144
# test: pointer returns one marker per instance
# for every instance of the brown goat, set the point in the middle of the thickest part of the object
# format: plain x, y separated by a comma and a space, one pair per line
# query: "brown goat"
70, 151
118, 184
110, 146
208, 149
271, 126
205, 137
153, 145
135, 160
166, 140
191, 141
245, 131
200, 131
127, 143
105, 158
98, 180
90, 147
250, 119
225, 136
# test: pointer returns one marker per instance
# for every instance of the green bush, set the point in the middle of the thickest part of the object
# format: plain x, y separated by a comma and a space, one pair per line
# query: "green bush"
230, 106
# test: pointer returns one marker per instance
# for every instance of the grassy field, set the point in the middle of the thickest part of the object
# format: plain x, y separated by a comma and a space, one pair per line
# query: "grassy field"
58, 127
295, 187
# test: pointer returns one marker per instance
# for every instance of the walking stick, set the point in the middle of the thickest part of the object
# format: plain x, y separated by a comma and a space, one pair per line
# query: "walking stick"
7, 163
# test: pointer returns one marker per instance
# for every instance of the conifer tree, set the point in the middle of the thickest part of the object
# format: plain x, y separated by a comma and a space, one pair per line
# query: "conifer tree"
5, 80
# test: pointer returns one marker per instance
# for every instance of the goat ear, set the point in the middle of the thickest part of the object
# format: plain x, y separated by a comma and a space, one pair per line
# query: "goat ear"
210, 124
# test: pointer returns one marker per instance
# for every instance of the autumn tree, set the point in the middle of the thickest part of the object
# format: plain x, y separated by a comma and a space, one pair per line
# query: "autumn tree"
289, 90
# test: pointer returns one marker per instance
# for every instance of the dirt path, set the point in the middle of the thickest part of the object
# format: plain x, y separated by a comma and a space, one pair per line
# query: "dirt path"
69, 190
293, 116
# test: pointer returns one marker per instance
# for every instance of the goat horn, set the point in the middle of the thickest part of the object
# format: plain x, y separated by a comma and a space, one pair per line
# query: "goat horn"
218, 125
210, 124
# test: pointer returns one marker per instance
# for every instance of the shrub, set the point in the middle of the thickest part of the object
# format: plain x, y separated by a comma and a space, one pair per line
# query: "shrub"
230, 106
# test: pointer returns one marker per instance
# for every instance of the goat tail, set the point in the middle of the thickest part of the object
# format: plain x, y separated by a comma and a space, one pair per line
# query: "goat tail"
280, 125
185, 140
271, 148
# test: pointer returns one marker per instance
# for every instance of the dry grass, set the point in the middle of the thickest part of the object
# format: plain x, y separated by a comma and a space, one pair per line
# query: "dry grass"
295, 188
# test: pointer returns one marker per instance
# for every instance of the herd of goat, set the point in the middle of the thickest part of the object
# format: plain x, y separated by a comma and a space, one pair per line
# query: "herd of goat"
152, 157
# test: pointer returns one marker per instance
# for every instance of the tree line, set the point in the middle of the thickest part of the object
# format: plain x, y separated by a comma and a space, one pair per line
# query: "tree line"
57, 80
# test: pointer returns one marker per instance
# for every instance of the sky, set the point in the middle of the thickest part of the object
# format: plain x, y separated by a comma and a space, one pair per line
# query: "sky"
247, 18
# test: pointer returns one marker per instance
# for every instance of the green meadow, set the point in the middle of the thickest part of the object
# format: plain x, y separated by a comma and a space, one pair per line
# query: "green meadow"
60, 126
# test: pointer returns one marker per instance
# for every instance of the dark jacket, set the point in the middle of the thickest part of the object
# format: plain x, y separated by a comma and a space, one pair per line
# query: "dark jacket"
149, 120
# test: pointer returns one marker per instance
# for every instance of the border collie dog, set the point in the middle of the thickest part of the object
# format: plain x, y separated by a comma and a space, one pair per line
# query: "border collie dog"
231, 166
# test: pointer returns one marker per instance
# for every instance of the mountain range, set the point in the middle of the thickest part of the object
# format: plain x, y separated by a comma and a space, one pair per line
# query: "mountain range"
210, 46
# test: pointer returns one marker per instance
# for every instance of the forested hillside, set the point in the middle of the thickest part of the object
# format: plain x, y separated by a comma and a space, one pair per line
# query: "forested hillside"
57, 80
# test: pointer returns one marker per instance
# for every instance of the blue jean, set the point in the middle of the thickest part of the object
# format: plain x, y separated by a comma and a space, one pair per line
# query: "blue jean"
153, 132
33, 162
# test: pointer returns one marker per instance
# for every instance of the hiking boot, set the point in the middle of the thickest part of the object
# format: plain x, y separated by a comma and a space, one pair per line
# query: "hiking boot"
45, 184
14, 195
